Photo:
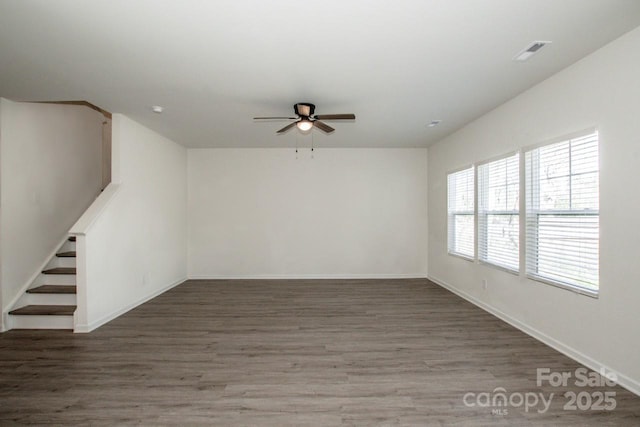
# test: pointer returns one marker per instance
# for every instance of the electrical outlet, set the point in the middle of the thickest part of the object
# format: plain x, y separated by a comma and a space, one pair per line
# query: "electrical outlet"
484, 284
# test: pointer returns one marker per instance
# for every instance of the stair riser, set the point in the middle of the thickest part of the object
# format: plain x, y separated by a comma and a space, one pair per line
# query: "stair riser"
41, 322
62, 262
67, 247
49, 299
58, 279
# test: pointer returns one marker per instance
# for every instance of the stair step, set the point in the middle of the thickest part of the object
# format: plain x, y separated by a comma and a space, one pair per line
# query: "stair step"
44, 310
72, 238
53, 289
60, 270
70, 254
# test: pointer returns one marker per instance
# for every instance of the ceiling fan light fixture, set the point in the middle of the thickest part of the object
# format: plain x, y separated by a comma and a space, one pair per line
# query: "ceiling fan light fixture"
304, 125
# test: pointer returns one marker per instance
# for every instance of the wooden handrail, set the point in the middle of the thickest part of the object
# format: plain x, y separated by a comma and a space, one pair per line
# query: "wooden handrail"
84, 103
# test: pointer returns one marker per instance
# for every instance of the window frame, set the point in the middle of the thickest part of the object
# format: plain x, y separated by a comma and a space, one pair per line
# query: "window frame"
472, 213
527, 213
481, 216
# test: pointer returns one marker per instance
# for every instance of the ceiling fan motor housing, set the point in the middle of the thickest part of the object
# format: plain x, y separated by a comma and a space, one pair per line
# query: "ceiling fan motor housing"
304, 109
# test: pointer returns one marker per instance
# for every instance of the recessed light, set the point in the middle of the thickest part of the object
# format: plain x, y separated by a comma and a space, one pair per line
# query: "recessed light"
530, 50
157, 109
434, 123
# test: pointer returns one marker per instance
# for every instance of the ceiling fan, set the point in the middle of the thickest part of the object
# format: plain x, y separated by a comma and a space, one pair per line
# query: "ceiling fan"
306, 119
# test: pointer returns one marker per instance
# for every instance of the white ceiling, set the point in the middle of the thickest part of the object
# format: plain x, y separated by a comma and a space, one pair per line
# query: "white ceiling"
213, 65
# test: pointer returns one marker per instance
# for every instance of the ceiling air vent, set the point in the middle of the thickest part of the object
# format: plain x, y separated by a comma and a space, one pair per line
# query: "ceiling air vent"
530, 50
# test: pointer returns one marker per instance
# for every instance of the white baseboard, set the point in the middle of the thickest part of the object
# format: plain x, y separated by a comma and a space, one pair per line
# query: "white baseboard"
308, 276
85, 328
623, 380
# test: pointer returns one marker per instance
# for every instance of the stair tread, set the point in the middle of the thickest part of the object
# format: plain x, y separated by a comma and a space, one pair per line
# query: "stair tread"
45, 310
69, 254
60, 270
53, 289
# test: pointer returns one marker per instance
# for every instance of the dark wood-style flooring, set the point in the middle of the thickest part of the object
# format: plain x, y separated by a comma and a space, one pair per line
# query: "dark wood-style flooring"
321, 353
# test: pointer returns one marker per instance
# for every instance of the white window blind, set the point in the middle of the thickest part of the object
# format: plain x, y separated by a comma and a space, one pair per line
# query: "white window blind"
498, 212
562, 216
460, 191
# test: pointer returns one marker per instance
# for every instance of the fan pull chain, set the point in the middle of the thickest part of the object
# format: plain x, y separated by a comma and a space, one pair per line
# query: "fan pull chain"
297, 140
312, 145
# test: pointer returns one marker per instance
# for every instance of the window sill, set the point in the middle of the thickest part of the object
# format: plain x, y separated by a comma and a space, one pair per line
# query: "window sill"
500, 267
464, 257
575, 289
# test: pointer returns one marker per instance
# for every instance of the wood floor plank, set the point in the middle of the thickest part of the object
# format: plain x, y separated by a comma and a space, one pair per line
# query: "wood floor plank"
296, 352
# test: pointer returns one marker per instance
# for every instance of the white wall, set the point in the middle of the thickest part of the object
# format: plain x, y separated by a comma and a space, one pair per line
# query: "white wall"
602, 90
136, 247
344, 213
50, 173
2, 323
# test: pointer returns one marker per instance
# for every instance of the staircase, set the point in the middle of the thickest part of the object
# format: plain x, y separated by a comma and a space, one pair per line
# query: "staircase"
50, 301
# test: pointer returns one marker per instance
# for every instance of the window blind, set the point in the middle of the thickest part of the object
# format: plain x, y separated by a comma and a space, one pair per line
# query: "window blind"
460, 208
562, 213
498, 212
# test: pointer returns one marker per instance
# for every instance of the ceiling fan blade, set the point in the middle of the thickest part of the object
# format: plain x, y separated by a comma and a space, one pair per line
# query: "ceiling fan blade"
287, 127
274, 118
335, 117
323, 126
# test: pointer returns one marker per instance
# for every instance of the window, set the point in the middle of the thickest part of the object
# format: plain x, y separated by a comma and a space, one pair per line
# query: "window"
498, 212
562, 213
460, 190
